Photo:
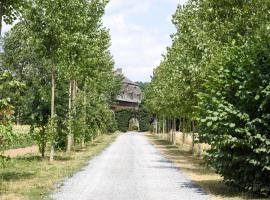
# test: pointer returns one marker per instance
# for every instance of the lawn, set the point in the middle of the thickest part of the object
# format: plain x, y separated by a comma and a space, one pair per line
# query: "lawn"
31, 177
197, 171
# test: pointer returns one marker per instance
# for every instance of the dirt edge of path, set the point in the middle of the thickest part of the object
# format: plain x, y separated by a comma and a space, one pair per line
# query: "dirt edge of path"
194, 168
21, 151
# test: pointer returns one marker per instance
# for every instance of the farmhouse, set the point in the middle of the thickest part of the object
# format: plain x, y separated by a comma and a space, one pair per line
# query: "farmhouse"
130, 96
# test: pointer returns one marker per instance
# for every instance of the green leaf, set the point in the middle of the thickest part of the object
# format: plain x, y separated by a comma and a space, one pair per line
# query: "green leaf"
209, 124
232, 125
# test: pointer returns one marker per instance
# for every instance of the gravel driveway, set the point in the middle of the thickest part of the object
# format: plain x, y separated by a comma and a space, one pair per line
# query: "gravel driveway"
130, 169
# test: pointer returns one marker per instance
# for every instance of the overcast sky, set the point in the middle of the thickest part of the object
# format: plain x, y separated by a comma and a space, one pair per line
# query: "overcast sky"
140, 31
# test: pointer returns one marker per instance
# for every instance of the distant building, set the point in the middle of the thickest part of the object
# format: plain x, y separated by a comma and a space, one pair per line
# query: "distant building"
130, 96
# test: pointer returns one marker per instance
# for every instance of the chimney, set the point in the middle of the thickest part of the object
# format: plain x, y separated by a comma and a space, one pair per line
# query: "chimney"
119, 71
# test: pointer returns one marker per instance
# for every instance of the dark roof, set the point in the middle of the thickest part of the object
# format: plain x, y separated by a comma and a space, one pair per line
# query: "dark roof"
126, 80
131, 92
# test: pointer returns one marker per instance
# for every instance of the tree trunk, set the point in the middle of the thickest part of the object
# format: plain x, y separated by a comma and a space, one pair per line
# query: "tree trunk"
1, 18
193, 136
174, 132
163, 128
156, 125
92, 139
183, 132
85, 117
70, 119
43, 143
74, 106
18, 117
200, 150
42, 150
83, 142
52, 112
180, 123
1, 25
167, 129
171, 131
52, 153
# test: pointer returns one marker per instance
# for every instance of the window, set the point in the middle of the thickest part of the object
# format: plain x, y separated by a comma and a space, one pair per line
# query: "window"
131, 95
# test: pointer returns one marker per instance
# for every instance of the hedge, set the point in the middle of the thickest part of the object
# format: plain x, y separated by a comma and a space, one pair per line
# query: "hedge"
123, 116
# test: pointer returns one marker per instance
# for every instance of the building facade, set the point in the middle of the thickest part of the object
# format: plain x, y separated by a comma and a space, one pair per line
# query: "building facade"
130, 96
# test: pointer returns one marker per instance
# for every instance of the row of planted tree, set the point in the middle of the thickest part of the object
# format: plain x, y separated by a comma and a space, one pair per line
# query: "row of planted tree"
56, 72
217, 74
178, 131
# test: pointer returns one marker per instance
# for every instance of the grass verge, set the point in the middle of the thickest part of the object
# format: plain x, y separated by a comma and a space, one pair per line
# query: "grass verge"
30, 177
197, 171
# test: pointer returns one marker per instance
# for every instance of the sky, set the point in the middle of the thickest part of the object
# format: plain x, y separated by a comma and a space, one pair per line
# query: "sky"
140, 32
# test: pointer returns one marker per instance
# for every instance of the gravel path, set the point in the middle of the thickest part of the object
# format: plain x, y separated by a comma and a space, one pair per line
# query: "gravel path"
130, 169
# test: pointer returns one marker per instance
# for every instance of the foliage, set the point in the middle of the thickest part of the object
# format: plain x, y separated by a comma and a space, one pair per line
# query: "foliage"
143, 86
124, 115
217, 72
9, 11
144, 117
59, 42
20, 137
6, 112
6, 134
239, 133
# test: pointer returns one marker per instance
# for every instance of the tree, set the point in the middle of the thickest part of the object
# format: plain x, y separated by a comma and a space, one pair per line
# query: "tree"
215, 69
6, 112
44, 20
31, 102
9, 11
56, 43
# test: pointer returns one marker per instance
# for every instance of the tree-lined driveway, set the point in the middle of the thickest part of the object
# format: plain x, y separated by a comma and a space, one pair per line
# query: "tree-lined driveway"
130, 169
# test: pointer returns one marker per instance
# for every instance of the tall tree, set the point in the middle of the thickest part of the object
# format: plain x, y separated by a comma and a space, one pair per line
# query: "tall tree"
9, 11
44, 20
215, 69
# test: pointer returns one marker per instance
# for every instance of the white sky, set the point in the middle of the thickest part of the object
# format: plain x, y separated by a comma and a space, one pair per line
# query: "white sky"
140, 32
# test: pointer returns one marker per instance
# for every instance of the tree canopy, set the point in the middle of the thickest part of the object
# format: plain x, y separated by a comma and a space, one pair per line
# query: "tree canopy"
217, 73
59, 52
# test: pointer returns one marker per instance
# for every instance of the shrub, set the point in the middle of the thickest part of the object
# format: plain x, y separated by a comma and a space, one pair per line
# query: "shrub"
235, 118
123, 116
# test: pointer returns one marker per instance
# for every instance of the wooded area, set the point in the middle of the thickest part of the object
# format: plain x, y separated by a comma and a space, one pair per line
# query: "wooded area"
213, 83
216, 76
56, 73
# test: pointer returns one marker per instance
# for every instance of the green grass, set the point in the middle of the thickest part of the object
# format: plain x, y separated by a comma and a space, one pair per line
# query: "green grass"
196, 169
31, 177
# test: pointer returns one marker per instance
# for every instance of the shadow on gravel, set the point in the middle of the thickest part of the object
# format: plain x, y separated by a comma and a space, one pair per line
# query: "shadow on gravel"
165, 167
194, 188
164, 164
